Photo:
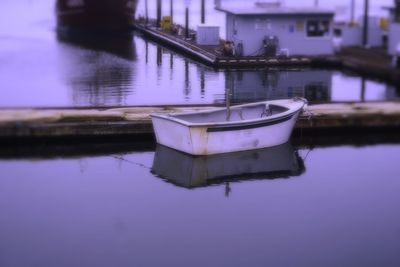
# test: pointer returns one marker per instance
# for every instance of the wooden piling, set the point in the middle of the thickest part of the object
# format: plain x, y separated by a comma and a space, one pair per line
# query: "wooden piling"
203, 12
365, 23
159, 8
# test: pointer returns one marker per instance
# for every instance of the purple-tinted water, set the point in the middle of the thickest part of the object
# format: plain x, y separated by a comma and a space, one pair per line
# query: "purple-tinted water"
110, 210
339, 209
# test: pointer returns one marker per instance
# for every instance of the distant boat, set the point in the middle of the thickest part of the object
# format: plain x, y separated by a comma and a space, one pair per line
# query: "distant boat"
230, 129
95, 15
198, 171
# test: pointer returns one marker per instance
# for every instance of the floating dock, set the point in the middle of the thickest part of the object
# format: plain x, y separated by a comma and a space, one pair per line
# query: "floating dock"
136, 121
212, 55
373, 63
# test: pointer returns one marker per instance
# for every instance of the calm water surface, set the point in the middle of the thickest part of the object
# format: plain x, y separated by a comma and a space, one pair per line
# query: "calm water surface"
337, 206
285, 206
40, 68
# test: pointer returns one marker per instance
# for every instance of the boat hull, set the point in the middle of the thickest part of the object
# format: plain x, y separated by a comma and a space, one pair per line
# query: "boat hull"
198, 139
95, 15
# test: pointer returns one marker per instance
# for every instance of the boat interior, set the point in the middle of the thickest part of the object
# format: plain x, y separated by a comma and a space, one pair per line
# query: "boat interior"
232, 114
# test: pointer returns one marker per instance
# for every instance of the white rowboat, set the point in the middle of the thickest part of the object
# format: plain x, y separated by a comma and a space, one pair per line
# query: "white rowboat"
222, 130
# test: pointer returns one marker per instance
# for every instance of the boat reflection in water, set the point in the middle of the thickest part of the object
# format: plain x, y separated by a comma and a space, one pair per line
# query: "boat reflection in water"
181, 169
97, 68
121, 45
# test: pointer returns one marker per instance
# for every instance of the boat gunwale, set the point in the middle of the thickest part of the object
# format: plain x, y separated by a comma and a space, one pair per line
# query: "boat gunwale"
282, 103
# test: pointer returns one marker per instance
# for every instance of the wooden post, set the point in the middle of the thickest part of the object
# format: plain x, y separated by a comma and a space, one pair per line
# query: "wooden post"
171, 10
187, 22
365, 28
362, 95
352, 10
397, 10
203, 11
146, 10
158, 13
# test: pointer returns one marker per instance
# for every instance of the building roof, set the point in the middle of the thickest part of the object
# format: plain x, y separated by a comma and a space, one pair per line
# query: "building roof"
274, 10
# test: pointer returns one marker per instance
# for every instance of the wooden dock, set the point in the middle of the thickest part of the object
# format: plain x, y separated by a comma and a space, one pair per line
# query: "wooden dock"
212, 55
372, 63
135, 121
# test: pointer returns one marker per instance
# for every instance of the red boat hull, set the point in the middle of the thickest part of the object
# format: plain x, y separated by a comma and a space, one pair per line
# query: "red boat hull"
98, 15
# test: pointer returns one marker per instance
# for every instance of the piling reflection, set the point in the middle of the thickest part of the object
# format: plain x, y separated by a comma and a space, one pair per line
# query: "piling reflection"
121, 45
98, 67
109, 72
190, 172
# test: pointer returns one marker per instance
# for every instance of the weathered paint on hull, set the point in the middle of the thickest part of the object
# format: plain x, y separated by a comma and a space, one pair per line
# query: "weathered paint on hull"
197, 141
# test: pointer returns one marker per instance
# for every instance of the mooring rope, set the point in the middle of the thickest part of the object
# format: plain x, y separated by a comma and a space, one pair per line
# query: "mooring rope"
131, 162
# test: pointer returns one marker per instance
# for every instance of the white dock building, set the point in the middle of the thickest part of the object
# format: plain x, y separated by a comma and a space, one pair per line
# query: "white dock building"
271, 29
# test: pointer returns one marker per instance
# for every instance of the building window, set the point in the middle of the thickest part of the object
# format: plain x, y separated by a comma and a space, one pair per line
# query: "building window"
317, 28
